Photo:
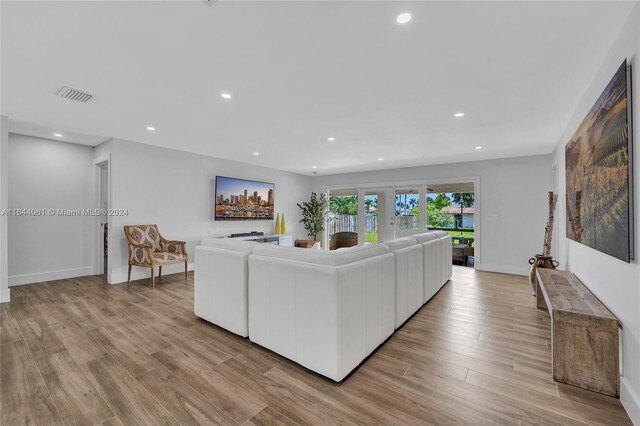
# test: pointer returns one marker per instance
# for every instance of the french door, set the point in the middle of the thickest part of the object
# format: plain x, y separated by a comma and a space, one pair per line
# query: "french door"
387, 213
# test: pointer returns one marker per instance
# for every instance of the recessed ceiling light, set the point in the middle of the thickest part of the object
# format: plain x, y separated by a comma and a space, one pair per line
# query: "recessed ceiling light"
404, 17
380, 159
331, 139
478, 148
458, 114
57, 135
313, 167
226, 95
256, 153
151, 128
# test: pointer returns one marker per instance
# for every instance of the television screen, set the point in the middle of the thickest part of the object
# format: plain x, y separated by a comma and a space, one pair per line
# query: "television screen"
598, 174
241, 199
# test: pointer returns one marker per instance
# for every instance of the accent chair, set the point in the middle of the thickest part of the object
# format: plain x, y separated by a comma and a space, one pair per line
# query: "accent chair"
148, 249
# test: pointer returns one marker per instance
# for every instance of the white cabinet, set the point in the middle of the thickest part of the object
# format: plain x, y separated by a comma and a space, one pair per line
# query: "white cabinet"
286, 240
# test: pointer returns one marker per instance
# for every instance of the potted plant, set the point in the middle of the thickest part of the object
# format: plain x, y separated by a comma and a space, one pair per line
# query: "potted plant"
313, 217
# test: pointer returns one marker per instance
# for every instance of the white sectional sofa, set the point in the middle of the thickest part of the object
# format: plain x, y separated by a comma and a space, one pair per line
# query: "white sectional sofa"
409, 277
220, 293
436, 248
326, 310
430, 249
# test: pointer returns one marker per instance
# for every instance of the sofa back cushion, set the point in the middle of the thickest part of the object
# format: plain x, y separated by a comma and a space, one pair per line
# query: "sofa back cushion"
321, 257
239, 246
400, 243
427, 236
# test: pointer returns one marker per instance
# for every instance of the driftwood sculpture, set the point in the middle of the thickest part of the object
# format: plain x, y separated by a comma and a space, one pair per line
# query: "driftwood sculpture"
544, 260
548, 230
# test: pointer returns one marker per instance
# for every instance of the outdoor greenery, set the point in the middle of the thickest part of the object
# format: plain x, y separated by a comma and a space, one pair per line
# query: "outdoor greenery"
343, 204
461, 233
463, 199
313, 213
436, 218
371, 237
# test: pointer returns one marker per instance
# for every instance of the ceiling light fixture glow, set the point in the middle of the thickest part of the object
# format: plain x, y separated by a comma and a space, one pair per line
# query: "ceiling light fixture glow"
151, 128
256, 153
458, 114
478, 148
313, 167
380, 159
331, 139
57, 135
404, 17
226, 95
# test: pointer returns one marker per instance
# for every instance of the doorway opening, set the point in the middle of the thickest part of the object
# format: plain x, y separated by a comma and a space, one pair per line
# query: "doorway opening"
451, 207
102, 224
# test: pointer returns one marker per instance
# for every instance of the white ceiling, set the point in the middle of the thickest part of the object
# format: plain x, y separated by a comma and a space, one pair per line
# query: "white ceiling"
300, 72
31, 129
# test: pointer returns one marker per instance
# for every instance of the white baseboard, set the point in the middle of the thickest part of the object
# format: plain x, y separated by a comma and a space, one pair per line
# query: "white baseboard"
630, 402
140, 273
504, 269
5, 295
50, 276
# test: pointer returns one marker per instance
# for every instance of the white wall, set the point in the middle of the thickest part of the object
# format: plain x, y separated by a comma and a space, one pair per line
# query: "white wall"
48, 174
173, 190
512, 190
615, 283
5, 292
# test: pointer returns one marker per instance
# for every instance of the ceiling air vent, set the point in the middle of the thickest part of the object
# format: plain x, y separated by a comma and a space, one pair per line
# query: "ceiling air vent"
74, 94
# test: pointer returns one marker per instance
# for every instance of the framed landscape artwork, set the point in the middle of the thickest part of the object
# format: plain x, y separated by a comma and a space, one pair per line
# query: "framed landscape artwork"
242, 199
598, 173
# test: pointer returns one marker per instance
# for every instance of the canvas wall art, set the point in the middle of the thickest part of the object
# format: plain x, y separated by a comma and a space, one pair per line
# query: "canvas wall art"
598, 169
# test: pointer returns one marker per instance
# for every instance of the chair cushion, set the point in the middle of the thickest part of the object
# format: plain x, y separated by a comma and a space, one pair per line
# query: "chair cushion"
321, 257
166, 258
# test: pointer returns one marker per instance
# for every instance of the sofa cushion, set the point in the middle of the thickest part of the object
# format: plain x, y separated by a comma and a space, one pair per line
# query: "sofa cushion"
427, 236
322, 257
400, 243
239, 246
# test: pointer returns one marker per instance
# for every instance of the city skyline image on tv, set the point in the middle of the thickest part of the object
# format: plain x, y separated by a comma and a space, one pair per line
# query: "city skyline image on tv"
242, 199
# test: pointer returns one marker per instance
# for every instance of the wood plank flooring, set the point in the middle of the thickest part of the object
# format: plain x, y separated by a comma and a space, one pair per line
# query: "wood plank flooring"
80, 351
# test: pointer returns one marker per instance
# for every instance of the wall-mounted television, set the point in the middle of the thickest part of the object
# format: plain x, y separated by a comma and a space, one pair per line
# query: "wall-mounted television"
242, 199
598, 173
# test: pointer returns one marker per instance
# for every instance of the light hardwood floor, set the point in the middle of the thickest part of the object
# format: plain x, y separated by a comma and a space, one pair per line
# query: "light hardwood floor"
79, 351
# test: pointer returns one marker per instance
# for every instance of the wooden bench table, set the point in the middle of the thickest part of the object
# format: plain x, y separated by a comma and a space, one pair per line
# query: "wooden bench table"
584, 333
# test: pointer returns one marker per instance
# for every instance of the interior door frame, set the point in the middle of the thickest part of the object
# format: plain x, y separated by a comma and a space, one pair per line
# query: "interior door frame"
97, 234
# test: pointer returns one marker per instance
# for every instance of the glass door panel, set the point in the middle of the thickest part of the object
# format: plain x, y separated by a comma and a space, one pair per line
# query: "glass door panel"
342, 219
407, 212
374, 231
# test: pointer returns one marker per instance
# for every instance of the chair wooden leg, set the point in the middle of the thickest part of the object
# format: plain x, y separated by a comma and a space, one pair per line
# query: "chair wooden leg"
160, 272
153, 279
129, 276
185, 271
